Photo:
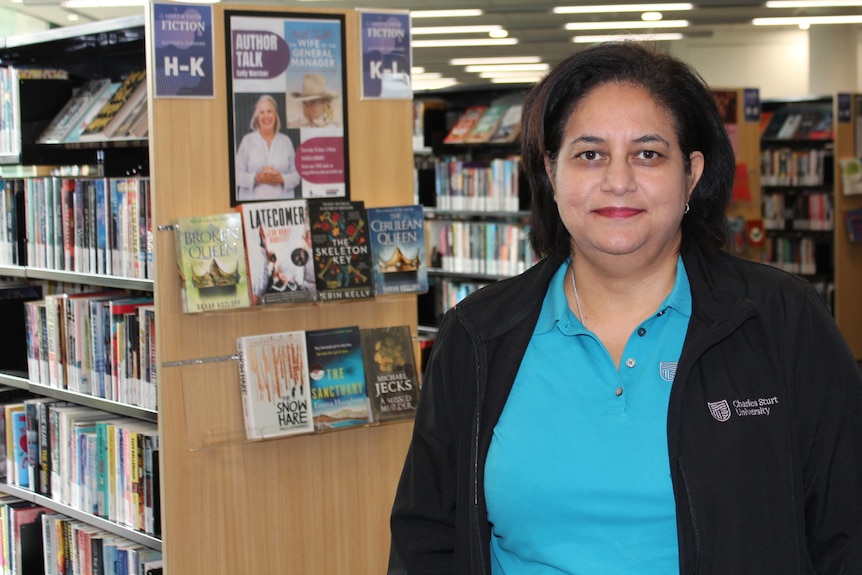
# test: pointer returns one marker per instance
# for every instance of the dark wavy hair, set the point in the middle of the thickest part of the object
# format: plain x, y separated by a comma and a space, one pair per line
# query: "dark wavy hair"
677, 87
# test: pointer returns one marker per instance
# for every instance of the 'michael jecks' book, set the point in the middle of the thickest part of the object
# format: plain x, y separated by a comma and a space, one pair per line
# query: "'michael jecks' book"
278, 247
273, 374
341, 249
390, 372
337, 378
211, 262
397, 235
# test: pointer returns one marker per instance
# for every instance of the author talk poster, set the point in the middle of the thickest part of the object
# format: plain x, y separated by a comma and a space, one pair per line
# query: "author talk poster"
287, 106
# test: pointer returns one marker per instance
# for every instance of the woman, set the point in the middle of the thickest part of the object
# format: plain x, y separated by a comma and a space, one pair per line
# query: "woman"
639, 401
266, 159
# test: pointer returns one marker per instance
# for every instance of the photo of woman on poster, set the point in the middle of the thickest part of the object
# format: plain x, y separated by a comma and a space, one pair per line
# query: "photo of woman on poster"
266, 157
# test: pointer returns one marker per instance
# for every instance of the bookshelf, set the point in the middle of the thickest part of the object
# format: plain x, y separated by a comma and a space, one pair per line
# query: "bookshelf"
309, 504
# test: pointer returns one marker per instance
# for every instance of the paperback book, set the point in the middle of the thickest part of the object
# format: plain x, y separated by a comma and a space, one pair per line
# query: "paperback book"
278, 248
274, 379
458, 133
112, 113
397, 235
341, 250
487, 124
390, 372
337, 378
83, 98
211, 262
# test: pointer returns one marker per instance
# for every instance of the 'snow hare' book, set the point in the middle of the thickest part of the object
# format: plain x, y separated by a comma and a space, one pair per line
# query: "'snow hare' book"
273, 373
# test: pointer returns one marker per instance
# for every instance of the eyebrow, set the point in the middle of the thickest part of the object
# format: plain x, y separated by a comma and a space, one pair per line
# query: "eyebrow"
646, 139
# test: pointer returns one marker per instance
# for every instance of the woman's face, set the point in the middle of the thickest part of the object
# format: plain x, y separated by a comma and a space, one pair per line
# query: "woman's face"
266, 116
620, 180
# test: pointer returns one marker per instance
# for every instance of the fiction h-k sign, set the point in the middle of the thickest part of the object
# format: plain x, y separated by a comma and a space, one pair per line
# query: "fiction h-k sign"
183, 47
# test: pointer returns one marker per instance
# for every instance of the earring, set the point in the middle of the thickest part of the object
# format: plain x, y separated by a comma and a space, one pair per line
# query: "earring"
686, 208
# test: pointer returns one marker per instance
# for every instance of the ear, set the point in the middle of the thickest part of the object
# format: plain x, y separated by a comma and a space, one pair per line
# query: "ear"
696, 164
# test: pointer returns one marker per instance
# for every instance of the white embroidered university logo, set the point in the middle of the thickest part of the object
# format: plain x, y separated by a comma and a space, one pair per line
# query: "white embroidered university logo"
720, 410
667, 370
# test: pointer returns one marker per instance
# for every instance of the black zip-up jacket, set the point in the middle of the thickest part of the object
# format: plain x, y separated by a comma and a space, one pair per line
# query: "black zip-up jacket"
764, 428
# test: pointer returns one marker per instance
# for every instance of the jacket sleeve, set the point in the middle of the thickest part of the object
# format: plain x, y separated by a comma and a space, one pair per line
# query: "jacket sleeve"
423, 515
828, 387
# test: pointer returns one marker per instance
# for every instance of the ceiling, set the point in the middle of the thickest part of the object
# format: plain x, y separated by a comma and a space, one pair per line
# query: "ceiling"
539, 32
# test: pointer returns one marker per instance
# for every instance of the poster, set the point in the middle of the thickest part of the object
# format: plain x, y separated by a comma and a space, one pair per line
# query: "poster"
183, 48
386, 56
287, 106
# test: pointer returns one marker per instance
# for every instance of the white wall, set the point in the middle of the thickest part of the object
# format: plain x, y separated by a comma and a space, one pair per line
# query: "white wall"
14, 23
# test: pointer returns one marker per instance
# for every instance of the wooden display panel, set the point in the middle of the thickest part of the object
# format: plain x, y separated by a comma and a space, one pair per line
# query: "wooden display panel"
311, 504
848, 255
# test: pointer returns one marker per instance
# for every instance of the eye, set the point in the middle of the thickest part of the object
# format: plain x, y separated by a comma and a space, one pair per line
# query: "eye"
649, 154
589, 155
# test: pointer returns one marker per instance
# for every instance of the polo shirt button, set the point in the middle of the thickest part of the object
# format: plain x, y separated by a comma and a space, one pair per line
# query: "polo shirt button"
619, 391
641, 331
630, 362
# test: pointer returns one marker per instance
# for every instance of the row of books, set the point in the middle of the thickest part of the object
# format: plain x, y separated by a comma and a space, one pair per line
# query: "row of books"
300, 381
35, 540
811, 211
494, 248
84, 458
79, 224
102, 109
496, 123
796, 255
99, 343
792, 166
453, 291
290, 251
478, 186
798, 124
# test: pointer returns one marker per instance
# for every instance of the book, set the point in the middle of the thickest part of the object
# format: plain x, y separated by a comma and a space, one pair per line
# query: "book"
509, 128
66, 119
337, 378
274, 382
75, 134
102, 125
390, 372
278, 250
487, 124
211, 262
465, 123
397, 236
15, 355
341, 249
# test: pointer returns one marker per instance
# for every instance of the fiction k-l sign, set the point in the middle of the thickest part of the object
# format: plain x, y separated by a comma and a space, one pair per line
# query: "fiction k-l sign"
183, 47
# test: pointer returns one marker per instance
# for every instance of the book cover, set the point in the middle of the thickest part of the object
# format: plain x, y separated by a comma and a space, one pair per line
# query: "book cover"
397, 236
276, 393
66, 119
211, 262
390, 372
97, 129
341, 249
465, 124
337, 378
487, 124
75, 134
509, 128
278, 248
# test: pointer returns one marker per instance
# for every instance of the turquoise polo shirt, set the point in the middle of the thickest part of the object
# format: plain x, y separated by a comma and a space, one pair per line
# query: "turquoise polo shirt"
577, 478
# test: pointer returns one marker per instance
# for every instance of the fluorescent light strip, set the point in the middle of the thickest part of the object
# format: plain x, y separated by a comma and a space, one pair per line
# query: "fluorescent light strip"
507, 68
601, 9
629, 37
465, 42
812, 3
445, 13
434, 84
500, 60
426, 76
102, 3
514, 80
455, 30
804, 20
510, 75
626, 25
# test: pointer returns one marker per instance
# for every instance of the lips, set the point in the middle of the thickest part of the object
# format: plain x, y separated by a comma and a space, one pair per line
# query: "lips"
618, 212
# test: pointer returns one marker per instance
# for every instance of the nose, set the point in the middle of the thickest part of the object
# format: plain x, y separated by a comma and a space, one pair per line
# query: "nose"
619, 177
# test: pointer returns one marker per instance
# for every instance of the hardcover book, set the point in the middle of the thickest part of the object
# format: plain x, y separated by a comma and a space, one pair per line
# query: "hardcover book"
509, 128
341, 249
487, 124
397, 235
458, 133
273, 374
211, 262
337, 378
98, 128
278, 248
390, 372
